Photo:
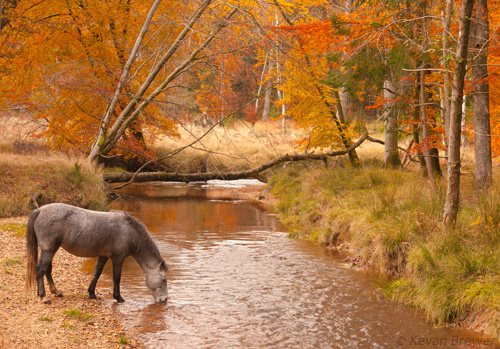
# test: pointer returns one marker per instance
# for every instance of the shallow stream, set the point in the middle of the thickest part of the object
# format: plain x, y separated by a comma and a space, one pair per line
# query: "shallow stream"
237, 281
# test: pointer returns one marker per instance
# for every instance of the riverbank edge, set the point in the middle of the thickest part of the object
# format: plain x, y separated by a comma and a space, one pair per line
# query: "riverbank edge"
71, 321
307, 213
26, 181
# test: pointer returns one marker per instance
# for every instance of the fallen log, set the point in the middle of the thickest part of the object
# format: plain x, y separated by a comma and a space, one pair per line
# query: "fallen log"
125, 177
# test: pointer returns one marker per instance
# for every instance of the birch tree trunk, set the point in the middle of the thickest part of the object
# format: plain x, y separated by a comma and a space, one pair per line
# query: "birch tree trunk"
143, 97
481, 98
446, 65
112, 104
267, 98
453, 189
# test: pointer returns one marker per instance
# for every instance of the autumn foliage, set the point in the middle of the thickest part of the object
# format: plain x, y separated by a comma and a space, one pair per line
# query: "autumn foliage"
61, 61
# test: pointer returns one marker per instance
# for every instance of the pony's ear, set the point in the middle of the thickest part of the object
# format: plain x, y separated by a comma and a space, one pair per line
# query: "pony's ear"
163, 266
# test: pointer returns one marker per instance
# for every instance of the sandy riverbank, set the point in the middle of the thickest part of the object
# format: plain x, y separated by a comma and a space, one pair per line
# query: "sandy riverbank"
25, 322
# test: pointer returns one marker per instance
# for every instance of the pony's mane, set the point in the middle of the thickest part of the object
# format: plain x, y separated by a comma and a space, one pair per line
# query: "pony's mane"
146, 243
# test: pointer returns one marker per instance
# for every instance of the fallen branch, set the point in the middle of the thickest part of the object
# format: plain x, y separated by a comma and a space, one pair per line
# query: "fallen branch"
123, 177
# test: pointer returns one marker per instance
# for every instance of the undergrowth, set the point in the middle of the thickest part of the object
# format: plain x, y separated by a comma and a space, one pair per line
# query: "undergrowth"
23, 178
391, 220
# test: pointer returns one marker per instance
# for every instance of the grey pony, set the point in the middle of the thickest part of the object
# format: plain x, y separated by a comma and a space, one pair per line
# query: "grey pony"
87, 233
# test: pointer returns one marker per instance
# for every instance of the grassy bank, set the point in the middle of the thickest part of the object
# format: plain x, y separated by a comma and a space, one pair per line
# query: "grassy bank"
49, 179
391, 221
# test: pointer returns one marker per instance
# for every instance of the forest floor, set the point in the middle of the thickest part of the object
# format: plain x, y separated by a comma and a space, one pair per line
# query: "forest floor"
73, 321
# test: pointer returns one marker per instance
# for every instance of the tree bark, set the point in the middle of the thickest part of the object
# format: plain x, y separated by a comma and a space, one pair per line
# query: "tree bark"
1, 14
391, 154
6, 7
425, 132
446, 65
269, 90
112, 104
453, 188
481, 98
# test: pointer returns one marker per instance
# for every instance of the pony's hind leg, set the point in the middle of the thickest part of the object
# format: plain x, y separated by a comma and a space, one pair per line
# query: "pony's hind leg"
41, 270
99, 266
52, 285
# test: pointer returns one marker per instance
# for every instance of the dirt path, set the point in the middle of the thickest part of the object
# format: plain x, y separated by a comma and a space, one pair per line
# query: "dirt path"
73, 321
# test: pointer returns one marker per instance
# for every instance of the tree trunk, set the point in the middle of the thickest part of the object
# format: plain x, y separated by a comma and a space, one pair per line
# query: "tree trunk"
269, 90
453, 189
6, 9
106, 140
425, 132
1, 14
446, 65
101, 137
481, 98
431, 154
344, 104
391, 154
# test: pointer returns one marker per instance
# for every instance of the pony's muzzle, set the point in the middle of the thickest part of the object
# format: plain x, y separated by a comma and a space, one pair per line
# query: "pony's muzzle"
161, 299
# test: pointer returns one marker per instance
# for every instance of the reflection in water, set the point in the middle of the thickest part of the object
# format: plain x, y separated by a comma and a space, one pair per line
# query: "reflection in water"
236, 280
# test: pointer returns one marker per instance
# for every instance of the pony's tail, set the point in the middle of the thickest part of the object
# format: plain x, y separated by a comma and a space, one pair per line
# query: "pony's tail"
31, 251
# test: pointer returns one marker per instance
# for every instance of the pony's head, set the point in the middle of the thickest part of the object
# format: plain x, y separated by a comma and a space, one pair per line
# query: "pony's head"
156, 280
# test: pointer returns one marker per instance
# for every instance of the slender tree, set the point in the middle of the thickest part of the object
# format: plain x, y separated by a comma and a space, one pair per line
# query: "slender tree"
140, 100
453, 189
481, 97
391, 154
446, 98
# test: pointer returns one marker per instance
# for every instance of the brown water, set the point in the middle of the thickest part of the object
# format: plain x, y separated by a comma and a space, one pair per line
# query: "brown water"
236, 281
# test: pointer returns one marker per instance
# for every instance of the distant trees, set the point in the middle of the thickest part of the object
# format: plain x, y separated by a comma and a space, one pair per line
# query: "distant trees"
404, 53
109, 77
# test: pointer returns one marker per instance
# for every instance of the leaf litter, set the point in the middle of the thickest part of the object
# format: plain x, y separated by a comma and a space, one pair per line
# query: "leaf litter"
26, 322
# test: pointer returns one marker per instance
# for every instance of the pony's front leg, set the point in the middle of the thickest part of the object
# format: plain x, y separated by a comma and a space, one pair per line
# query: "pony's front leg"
41, 270
117, 274
99, 266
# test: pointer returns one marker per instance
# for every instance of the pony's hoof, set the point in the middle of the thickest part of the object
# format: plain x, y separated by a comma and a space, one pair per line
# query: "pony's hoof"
46, 300
120, 299
92, 296
59, 295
